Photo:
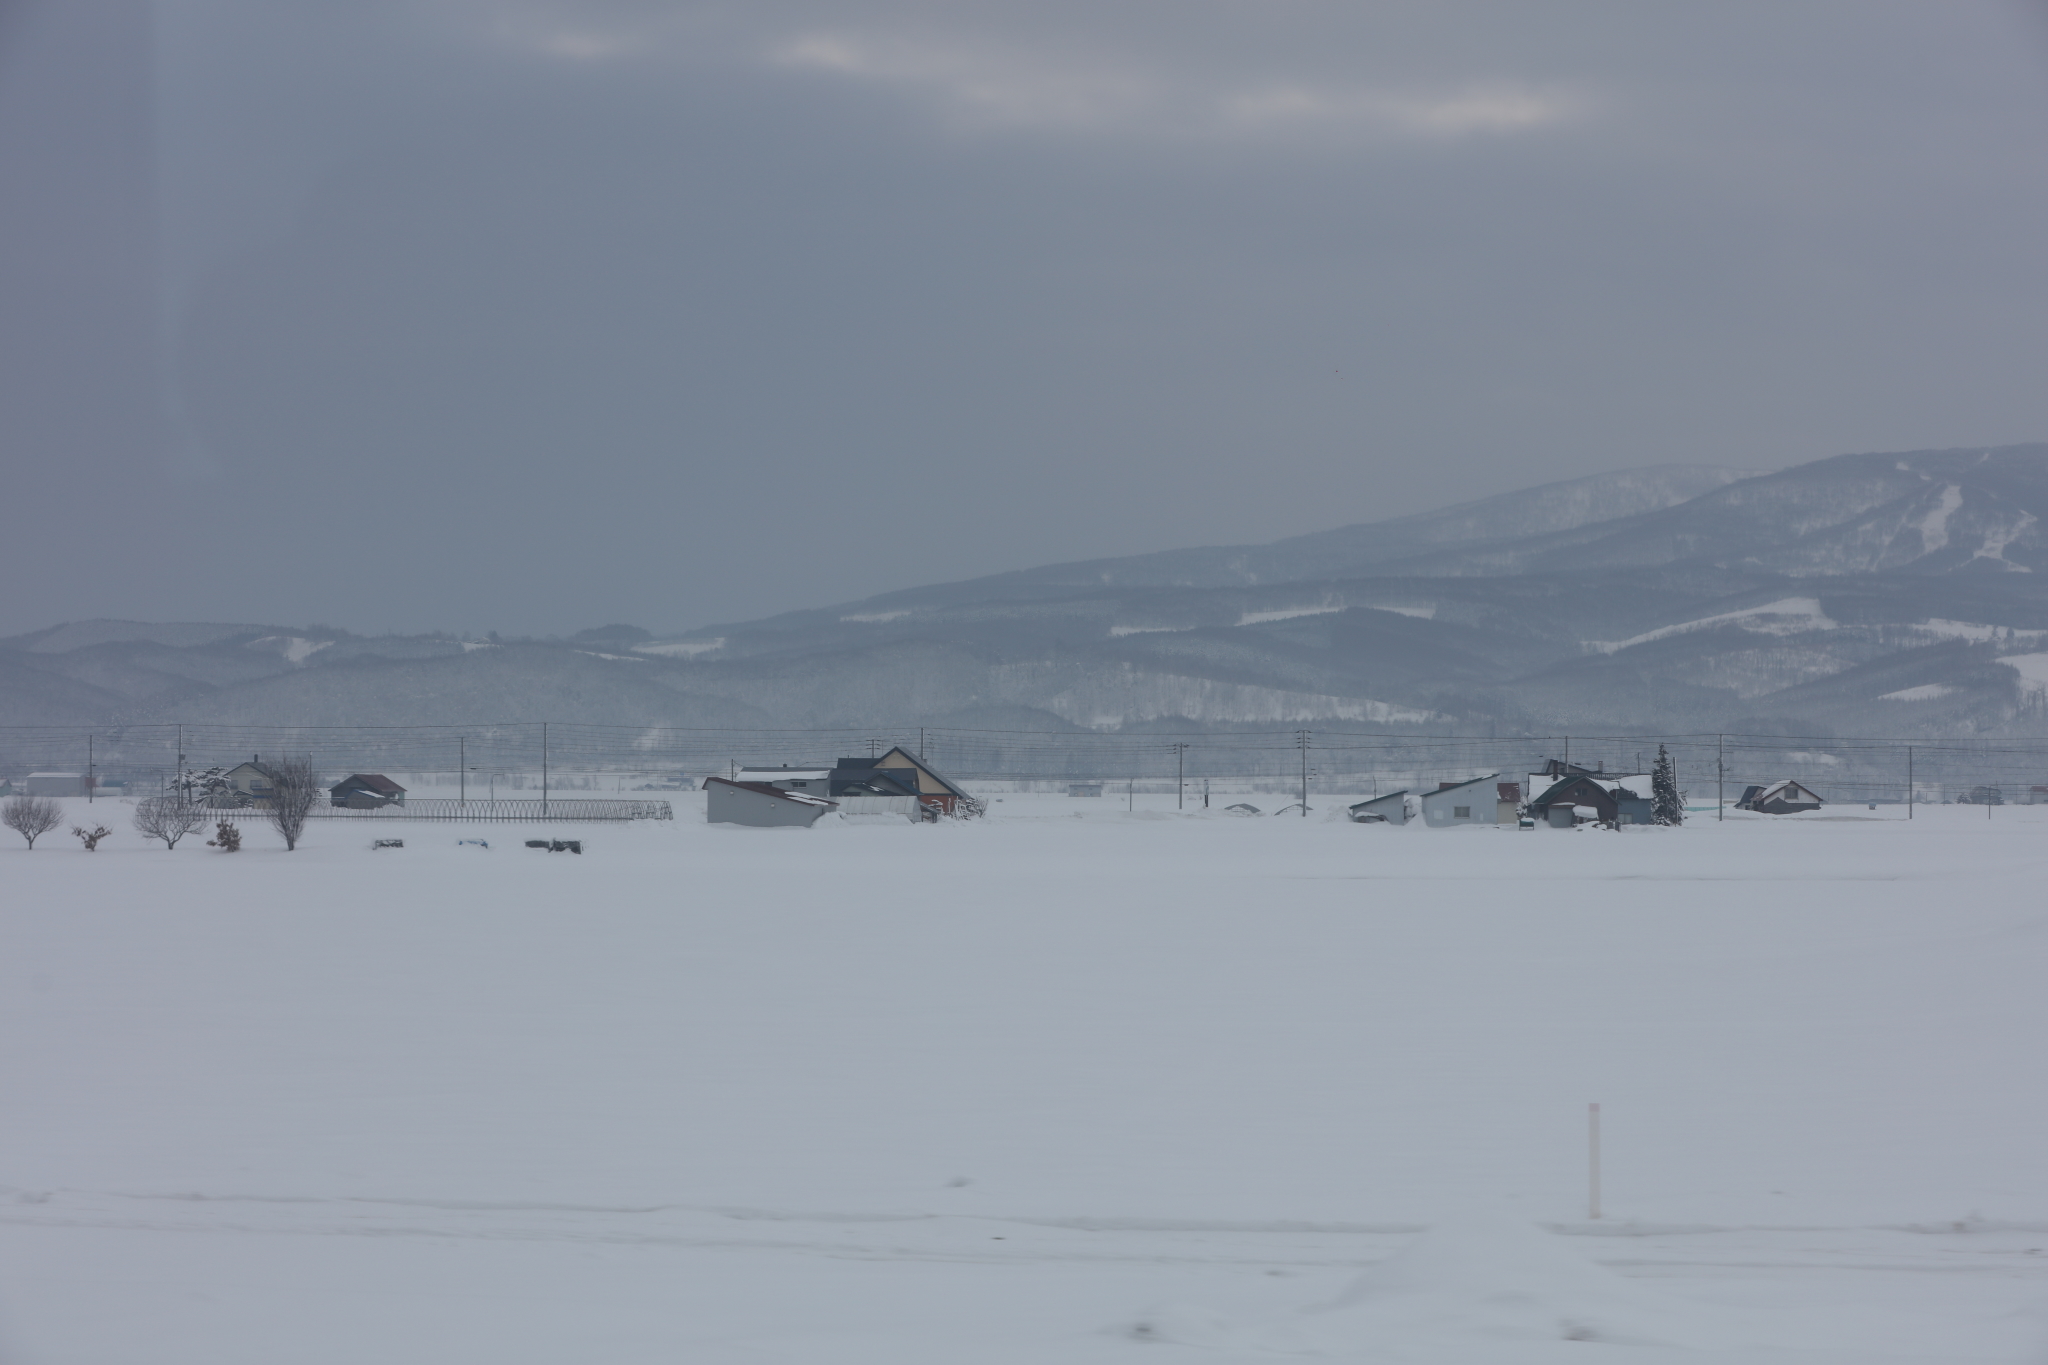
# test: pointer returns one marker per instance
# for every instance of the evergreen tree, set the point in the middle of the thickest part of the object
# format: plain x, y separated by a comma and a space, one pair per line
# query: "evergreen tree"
1666, 806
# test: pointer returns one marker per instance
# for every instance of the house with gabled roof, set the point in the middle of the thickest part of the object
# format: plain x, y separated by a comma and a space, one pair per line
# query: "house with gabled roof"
1616, 800
901, 773
366, 791
1779, 798
252, 783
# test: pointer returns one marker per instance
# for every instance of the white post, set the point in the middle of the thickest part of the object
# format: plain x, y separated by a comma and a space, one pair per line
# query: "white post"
1593, 1160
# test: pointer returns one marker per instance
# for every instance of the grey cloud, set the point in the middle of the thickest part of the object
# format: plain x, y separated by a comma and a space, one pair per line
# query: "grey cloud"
527, 315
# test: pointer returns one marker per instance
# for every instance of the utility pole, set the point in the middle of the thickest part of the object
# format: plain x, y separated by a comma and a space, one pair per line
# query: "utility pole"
543, 770
1593, 1160
1180, 801
462, 768
1909, 781
88, 770
1720, 783
1301, 742
920, 744
178, 773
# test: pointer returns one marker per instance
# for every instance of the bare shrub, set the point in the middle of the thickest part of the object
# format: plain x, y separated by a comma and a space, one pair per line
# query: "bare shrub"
169, 818
226, 838
91, 837
295, 790
30, 816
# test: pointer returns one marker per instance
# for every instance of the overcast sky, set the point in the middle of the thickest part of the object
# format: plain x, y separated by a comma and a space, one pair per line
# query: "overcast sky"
530, 315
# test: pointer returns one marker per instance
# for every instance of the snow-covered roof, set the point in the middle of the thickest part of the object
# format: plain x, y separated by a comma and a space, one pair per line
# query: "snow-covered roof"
1636, 784
1784, 785
779, 793
784, 774
1460, 786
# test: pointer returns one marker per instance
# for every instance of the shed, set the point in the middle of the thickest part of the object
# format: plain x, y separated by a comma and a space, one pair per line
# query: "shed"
366, 791
758, 803
1084, 789
1779, 798
1460, 803
1390, 809
55, 784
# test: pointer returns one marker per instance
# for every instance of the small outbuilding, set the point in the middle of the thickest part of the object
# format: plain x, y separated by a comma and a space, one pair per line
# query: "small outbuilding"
366, 791
55, 784
1391, 809
762, 804
1460, 803
1779, 798
1507, 803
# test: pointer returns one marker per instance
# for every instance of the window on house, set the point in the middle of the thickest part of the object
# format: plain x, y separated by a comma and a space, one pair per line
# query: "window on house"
1461, 812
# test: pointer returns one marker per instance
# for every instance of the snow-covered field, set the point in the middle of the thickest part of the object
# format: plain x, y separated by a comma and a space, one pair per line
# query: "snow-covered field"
1124, 1087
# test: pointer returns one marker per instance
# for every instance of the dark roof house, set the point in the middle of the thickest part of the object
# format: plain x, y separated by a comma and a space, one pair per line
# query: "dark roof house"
1614, 800
900, 773
366, 791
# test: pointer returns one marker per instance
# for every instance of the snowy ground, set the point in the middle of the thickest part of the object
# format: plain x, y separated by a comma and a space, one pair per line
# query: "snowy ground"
1124, 1087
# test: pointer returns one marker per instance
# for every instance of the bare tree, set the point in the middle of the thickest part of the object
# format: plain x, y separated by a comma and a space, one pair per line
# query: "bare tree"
30, 816
295, 790
169, 818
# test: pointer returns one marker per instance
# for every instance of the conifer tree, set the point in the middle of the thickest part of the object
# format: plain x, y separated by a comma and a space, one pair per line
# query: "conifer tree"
1666, 806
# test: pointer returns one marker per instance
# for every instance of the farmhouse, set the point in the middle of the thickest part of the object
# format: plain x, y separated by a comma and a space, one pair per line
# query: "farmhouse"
252, 783
1779, 798
1613, 800
898, 773
366, 791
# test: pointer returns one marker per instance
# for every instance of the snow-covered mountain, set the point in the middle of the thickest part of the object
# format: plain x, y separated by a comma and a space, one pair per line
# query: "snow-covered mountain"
1898, 593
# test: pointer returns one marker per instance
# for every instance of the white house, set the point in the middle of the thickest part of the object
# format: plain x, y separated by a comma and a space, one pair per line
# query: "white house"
758, 803
1472, 802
